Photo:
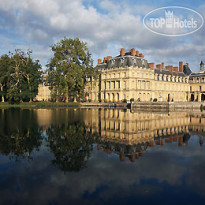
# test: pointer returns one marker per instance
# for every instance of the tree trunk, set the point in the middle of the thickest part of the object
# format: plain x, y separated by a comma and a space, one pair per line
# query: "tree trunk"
30, 101
67, 95
2, 97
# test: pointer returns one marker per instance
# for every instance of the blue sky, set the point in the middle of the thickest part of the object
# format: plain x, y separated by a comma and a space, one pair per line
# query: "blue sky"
106, 25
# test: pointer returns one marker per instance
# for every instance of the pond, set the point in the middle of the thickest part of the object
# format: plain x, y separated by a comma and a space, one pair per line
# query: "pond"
101, 156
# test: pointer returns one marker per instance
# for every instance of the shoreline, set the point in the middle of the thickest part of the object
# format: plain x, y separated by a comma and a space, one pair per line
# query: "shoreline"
134, 106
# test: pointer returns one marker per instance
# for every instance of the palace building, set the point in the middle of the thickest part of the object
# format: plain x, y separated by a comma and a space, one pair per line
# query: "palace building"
129, 76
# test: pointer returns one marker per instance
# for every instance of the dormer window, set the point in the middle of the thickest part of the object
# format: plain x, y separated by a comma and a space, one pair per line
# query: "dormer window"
134, 61
122, 60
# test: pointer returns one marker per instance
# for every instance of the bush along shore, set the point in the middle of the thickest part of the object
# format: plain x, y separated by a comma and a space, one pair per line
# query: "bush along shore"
38, 105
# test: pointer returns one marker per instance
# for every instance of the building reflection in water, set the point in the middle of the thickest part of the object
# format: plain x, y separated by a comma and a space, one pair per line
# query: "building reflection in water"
71, 133
129, 134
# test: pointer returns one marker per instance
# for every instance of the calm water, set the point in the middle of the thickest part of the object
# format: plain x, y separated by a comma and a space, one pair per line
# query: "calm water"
101, 156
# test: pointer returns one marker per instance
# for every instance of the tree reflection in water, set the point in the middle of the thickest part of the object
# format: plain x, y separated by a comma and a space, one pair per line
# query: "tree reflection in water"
71, 145
19, 133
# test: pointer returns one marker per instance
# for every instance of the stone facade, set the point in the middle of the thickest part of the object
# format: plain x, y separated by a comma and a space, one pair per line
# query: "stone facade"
130, 77
197, 86
44, 93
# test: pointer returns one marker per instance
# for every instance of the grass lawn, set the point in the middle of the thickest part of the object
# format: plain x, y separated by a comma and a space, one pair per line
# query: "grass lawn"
38, 104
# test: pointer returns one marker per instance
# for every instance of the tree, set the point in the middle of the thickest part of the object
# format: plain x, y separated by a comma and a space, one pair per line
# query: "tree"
4, 68
24, 77
32, 73
68, 69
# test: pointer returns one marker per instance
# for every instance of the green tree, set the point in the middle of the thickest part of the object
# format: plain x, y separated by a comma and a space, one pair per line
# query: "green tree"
68, 69
4, 69
24, 77
31, 71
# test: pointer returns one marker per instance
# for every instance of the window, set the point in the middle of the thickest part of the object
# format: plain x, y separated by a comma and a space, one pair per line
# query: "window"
191, 88
122, 60
114, 75
124, 84
124, 74
199, 88
105, 85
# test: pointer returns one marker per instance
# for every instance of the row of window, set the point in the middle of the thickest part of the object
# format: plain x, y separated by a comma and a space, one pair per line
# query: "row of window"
147, 75
144, 85
198, 80
118, 75
200, 89
171, 79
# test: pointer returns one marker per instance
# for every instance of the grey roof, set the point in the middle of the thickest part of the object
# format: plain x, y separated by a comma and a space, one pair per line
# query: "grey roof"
187, 70
166, 72
123, 61
196, 75
181, 74
128, 60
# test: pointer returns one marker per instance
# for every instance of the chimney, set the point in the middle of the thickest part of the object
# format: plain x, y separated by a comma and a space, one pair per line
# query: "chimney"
132, 51
108, 58
181, 66
99, 61
151, 65
105, 60
141, 55
159, 66
122, 52
162, 65
176, 69
169, 68
137, 53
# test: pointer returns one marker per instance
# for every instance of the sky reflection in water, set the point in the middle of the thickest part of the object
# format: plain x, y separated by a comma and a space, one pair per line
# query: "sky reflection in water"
98, 156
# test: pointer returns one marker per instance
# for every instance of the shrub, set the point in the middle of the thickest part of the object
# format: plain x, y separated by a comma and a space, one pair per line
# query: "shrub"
132, 100
124, 100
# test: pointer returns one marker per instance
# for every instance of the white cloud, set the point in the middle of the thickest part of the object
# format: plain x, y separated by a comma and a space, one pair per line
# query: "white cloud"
105, 27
